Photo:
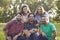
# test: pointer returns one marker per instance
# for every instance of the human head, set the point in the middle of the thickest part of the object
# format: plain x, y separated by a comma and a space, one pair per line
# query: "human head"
31, 17
39, 10
19, 17
45, 19
25, 9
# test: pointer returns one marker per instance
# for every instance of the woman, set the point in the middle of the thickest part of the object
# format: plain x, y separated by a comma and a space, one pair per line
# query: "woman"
24, 12
38, 17
39, 13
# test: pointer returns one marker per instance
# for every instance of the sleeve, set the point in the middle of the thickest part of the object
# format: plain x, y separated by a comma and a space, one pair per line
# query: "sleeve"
53, 28
7, 26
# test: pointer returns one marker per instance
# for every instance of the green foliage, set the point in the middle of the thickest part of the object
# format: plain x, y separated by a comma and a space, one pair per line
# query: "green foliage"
57, 18
6, 13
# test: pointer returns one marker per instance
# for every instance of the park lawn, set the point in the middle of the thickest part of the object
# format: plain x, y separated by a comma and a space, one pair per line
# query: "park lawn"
2, 36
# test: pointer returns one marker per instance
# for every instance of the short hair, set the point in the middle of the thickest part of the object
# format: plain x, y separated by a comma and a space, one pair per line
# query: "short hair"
30, 14
46, 18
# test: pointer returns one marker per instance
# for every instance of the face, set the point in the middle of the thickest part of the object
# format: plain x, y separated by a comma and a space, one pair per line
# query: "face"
19, 17
44, 20
31, 17
25, 9
39, 10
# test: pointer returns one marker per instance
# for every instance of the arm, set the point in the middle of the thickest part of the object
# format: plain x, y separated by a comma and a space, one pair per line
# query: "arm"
6, 29
38, 29
54, 35
15, 37
33, 30
5, 32
26, 32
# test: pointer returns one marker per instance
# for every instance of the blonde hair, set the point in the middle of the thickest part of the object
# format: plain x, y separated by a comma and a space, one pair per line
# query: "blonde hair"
41, 8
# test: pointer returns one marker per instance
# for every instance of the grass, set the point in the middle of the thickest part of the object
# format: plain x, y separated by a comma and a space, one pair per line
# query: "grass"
2, 37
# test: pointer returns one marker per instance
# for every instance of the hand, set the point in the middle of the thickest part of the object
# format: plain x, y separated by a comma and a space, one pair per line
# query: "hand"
9, 38
32, 31
27, 33
43, 34
14, 38
38, 21
37, 25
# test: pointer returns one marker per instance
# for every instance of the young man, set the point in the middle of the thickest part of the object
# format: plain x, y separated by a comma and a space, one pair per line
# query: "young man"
48, 29
13, 28
30, 28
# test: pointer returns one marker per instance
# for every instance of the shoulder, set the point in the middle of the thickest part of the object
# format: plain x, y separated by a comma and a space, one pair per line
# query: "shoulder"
51, 24
11, 21
40, 25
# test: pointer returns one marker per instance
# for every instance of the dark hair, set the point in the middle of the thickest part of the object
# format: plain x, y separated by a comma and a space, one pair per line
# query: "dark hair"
30, 14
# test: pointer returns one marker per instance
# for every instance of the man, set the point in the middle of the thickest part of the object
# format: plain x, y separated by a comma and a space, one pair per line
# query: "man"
13, 28
30, 28
48, 29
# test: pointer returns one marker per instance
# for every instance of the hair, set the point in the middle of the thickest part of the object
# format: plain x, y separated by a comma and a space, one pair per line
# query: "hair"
22, 12
36, 11
18, 15
30, 14
46, 18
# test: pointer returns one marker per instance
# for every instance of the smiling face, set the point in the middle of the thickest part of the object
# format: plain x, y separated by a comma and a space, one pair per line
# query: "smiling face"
39, 10
31, 17
19, 17
25, 10
45, 20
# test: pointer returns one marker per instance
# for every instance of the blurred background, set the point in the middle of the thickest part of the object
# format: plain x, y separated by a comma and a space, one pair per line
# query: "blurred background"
10, 8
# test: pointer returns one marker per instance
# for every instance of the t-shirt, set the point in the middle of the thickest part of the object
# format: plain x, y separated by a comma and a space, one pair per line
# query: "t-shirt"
48, 29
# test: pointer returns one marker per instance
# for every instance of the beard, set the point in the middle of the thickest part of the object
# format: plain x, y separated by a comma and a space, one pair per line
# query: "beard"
43, 22
18, 20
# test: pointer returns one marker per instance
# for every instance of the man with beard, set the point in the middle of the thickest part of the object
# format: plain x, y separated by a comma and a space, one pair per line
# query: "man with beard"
30, 28
48, 29
13, 28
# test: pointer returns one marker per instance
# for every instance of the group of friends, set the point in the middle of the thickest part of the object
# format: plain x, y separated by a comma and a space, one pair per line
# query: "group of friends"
30, 26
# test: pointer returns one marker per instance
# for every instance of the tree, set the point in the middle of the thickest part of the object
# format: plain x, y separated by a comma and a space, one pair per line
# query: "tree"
9, 8
57, 18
